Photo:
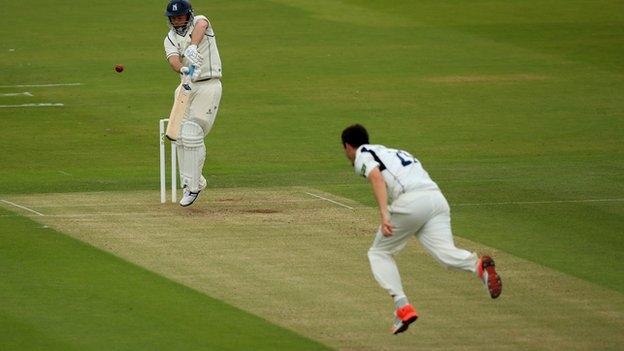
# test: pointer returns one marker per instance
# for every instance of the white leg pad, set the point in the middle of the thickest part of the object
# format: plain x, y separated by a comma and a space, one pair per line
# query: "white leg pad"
191, 156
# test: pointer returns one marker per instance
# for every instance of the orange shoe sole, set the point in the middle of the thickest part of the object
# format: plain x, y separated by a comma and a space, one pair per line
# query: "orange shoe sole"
405, 324
494, 283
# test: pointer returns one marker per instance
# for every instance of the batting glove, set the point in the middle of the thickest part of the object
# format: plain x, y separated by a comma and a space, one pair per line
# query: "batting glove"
185, 71
193, 55
196, 73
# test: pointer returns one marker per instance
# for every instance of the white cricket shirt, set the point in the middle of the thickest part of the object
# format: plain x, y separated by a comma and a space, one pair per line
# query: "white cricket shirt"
401, 171
176, 45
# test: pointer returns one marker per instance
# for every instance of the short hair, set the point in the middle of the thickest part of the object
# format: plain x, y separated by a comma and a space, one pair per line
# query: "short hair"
355, 135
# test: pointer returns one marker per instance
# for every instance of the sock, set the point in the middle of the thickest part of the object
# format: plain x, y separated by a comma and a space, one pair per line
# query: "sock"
400, 301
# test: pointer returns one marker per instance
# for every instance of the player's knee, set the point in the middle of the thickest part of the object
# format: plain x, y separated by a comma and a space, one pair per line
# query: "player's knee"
376, 254
191, 134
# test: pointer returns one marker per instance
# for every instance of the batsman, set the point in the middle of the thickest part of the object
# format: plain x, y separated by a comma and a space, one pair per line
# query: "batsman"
191, 50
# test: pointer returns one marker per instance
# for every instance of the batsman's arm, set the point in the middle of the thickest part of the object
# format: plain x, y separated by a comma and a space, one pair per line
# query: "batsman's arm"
381, 195
197, 35
175, 62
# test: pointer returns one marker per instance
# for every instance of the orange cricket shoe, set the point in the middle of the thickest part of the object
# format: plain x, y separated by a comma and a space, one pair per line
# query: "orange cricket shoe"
486, 270
405, 316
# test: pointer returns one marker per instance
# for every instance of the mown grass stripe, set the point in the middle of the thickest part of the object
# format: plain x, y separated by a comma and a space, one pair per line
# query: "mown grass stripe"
59, 293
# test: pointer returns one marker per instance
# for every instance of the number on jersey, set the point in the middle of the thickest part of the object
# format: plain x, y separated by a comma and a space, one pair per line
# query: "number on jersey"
406, 159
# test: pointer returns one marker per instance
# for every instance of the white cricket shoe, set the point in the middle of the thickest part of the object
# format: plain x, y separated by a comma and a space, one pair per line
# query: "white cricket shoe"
189, 197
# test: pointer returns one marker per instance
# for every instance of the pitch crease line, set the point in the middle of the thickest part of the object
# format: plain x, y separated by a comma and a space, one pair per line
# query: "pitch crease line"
332, 201
45, 104
17, 94
40, 85
23, 207
538, 202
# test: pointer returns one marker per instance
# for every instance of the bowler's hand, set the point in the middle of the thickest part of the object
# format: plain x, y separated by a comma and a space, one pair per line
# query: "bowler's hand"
386, 227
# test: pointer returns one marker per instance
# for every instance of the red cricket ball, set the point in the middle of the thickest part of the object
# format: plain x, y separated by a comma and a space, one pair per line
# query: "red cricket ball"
119, 68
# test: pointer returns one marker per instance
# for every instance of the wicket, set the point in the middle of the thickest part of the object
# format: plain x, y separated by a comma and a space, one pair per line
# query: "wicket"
163, 171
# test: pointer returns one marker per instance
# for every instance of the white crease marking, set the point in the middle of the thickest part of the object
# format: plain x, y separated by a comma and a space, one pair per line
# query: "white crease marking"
40, 85
332, 201
43, 104
17, 94
537, 202
23, 207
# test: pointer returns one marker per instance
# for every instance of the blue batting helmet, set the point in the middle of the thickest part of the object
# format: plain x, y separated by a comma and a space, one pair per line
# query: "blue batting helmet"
180, 8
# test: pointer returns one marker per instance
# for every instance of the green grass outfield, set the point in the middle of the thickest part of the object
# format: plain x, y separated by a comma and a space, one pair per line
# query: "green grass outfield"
58, 293
515, 108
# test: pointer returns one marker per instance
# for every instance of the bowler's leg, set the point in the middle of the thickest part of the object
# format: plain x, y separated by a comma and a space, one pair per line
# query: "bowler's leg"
385, 270
436, 237
381, 254
384, 267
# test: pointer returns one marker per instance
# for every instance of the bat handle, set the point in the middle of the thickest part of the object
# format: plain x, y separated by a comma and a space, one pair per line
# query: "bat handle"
186, 81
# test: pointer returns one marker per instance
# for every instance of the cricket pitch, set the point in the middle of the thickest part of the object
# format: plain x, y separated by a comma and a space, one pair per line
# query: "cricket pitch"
300, 262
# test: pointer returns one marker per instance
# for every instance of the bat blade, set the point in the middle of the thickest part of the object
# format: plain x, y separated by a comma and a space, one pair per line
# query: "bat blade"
178, 109
179, 106
176, 115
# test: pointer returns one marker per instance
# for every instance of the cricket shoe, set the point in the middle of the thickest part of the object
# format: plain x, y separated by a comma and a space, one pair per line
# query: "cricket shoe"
188, 197
487, 272
403, 317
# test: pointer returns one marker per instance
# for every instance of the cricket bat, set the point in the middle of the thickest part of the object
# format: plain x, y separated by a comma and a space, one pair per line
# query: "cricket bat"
179, 106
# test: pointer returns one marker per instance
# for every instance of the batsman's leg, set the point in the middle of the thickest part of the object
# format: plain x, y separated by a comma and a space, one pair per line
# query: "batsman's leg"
205, 104
199, 119
191, 156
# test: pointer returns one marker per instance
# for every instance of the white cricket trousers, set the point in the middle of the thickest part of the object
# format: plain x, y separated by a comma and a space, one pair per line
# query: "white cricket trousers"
203, 103
427, 215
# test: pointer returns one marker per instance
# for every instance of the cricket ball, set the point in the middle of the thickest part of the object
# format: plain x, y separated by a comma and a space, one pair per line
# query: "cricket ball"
119, 68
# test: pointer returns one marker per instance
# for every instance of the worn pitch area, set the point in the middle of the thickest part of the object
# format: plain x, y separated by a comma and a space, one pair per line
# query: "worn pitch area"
300, 262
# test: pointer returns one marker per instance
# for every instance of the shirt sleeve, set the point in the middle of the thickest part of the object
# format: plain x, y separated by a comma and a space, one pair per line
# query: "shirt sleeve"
200, 17
170, 48
364, 164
